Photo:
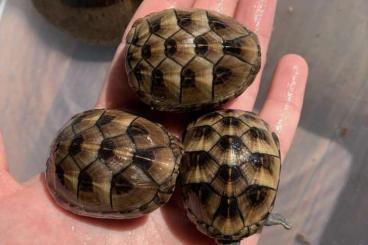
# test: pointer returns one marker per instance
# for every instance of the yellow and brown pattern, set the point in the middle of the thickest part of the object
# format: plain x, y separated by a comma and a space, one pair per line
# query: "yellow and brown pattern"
112, 164
229, 173
189, 59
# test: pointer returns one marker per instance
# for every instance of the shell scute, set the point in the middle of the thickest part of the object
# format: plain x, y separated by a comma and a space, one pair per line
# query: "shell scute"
166, 81
193, 22
179, 47
163, 24
152, 50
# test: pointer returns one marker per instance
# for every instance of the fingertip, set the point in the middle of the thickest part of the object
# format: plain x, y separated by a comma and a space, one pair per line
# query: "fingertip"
290, 77
298, 59
294, 60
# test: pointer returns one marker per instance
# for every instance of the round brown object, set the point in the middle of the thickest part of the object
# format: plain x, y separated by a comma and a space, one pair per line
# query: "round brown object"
95, 21
112, 164
230, 175
180, 60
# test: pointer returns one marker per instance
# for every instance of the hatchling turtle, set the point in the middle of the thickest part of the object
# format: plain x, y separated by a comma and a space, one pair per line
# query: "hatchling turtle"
230, 175
179, 60
94, 21
112, 164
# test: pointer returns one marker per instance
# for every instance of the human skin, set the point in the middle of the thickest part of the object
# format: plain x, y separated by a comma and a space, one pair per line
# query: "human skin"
28, 215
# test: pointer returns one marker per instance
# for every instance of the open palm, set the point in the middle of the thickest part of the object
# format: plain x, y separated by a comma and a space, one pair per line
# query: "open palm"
29, 216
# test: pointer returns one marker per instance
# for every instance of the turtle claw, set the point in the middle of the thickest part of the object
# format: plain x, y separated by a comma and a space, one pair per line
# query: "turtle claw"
277, 219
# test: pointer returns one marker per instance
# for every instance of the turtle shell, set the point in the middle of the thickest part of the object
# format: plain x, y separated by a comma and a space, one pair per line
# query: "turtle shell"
91, 3
179, 60
112, 164
93, 21
229, 173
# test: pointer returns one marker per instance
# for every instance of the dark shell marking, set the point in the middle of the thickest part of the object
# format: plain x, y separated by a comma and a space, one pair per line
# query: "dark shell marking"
229, 173
112, 164
182, 60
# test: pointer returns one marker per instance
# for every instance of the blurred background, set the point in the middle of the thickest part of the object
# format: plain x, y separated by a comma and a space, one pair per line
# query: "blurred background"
46, 76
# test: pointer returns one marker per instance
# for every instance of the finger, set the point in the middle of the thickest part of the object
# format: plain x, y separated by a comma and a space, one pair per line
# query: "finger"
7, 183
251, 240
111, 95
257, 16
284, 101
227, 7
3, 162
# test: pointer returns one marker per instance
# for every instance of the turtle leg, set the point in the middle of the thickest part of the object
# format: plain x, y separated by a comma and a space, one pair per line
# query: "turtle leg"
277, 219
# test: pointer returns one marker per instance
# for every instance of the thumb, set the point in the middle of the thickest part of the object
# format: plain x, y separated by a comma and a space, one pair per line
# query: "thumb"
8, 183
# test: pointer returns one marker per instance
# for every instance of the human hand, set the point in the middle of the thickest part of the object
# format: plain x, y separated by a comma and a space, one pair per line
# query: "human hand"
29, 216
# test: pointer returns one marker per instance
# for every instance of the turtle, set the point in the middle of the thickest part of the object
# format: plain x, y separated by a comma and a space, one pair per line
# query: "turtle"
93, 21
229, 175
111, 164
182, 60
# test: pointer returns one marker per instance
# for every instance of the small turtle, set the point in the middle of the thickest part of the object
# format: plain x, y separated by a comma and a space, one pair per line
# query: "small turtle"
179, 60
112, 164
94, 21
230, 175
